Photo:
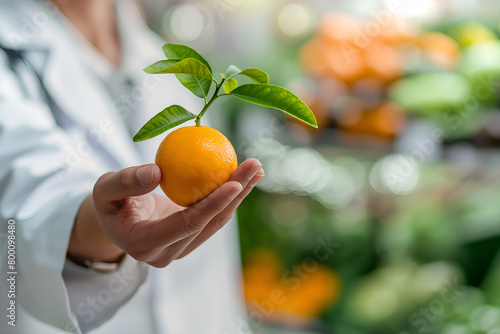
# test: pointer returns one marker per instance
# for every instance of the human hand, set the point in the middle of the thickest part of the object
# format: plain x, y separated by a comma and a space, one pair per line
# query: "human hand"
123, 216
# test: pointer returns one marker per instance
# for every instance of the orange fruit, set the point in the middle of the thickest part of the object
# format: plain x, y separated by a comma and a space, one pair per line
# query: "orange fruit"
321, 289
395, 32
194, 161
262, 276
344, 62
387, 120
262, 267
339, 28
312, 56
384, 61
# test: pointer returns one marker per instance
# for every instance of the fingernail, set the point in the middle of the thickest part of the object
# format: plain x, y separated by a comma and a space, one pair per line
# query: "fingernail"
235, 192
260, 172
145, 175
251, 173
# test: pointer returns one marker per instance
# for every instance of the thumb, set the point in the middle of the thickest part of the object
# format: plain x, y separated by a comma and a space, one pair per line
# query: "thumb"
132, 181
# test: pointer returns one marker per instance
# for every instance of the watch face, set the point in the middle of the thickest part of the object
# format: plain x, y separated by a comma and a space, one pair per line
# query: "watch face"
103, 267
106, 267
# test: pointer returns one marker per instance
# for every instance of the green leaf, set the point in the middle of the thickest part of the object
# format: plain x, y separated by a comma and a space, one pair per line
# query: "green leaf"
193, 74
177, 51
197, 85
276, 97
183, 66
232, 71
257, 76
164, 120
229, 85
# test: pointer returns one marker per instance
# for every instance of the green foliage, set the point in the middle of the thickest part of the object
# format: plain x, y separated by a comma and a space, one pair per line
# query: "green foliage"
256, 75
188, 66
195, 73
199, 86
164, 120
276, 97
230, 85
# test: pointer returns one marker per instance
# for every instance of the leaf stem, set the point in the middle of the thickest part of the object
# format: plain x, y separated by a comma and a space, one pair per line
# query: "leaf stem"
207, 105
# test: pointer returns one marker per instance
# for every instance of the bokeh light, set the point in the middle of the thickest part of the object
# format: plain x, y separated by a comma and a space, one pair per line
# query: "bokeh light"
396, 174
485, 318
186, 22
295, 20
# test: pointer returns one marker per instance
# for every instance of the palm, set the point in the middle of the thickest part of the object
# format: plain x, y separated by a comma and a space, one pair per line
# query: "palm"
136, 215
147, 207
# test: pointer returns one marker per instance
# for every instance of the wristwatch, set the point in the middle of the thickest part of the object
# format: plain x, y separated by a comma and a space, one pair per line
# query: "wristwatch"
101, 267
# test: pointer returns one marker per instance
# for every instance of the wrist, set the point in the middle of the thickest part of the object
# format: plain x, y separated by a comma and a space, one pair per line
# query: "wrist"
88, 242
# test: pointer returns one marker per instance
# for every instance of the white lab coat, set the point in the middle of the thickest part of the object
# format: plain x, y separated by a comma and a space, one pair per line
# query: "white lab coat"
52, 149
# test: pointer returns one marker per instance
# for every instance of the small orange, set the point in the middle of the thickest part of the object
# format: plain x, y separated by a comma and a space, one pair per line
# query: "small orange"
194, 161
318, 291
384, 61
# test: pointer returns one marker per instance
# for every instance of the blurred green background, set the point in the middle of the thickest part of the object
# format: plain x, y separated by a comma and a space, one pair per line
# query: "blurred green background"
387, 218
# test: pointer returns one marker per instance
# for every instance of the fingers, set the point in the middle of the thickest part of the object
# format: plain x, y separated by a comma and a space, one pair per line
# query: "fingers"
195, 217
172, 252
246, 175
246, 171
223, 217
165, 232
228, 212
132, 181
192, 220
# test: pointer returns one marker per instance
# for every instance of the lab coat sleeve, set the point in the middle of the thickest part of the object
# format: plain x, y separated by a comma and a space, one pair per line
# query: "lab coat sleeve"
41, 189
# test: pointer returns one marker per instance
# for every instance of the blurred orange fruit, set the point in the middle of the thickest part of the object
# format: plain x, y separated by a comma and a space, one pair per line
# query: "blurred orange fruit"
194, 162
338, 28
384, 61
315, 293
345, 62
261, 269
316, 290
349, 50
396, 32
388, 120
385, 120
262, 265
312, 56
